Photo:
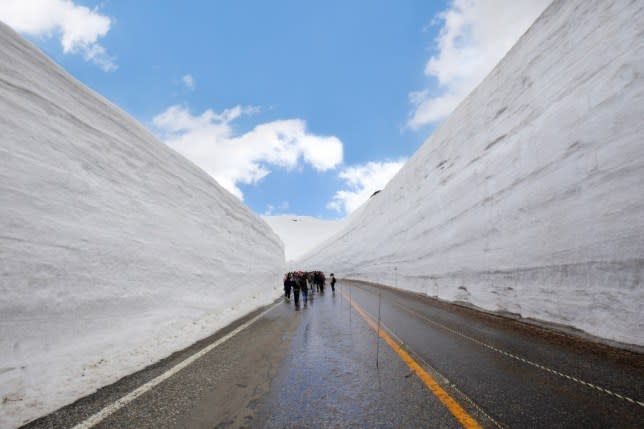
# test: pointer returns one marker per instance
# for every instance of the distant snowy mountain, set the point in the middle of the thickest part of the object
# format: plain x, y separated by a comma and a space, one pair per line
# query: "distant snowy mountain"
528, 199
301, 234
115, 251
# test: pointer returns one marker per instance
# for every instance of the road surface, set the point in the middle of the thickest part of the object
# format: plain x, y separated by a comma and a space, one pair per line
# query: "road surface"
329, 364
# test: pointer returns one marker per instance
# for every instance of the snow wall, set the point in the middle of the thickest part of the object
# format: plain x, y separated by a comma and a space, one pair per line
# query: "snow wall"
529, 198
115, 251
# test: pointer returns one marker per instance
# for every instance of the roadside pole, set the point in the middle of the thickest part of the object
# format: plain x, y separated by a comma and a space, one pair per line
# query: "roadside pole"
396, 277
378, 333
350, 306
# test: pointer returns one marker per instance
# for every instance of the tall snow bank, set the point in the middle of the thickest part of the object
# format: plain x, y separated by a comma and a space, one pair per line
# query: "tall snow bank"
115, 251
300, 234
528, 199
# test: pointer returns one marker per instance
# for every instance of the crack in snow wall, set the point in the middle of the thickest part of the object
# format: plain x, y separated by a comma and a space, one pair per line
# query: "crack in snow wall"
115, 251
529, 198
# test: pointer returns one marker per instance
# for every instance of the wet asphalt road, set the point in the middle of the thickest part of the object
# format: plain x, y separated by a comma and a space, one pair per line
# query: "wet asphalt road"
316, 367
519, 375
330, 378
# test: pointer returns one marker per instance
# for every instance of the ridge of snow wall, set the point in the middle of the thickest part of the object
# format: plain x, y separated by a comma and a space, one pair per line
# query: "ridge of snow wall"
529, 198
115, 251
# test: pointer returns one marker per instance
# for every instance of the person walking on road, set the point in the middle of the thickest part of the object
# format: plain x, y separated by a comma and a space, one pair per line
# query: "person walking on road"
304, 288
332, 281
295, 284
287, 287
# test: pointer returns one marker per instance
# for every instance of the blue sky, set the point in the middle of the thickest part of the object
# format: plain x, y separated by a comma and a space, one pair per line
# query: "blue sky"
296, 107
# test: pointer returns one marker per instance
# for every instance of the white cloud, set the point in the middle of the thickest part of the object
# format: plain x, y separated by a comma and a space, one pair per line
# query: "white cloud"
361, 182
209, 141
188, 81
279, 209
79, 27
475, 35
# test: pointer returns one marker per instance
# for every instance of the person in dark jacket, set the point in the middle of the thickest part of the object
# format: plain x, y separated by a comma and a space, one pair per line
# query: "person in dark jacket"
287, 286
304, 288
295, 284
332, 281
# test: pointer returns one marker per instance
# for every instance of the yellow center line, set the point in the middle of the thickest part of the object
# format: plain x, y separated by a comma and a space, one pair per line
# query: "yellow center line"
457, 411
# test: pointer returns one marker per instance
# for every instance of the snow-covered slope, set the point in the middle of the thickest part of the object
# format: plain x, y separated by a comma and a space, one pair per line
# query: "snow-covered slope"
528, 199
300, 234
114, 250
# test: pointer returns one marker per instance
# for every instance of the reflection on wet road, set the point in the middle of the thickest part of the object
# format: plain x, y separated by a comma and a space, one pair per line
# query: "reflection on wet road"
502, 373
516, 375
330, 379
434, 365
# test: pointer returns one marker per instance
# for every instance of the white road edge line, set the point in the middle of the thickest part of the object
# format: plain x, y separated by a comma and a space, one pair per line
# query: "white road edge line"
120, 403
513, 356
519, 358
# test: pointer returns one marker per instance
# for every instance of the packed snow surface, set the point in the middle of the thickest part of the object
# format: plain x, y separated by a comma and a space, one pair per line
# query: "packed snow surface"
301, 234
529, 198
115, 251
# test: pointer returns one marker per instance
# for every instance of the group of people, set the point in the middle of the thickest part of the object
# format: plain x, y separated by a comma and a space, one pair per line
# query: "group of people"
303, 282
